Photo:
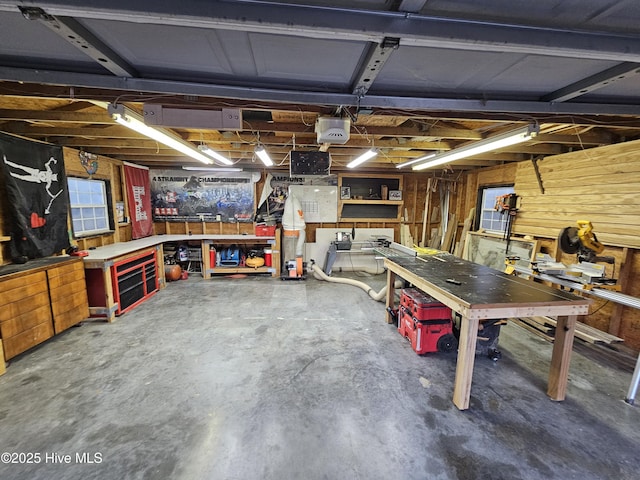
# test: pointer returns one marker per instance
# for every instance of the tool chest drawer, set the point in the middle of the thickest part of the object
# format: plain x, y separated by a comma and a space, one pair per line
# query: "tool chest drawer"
134, 280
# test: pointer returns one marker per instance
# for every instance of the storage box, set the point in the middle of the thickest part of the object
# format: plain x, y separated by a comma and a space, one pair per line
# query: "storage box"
429, 335
422, 306
266, 230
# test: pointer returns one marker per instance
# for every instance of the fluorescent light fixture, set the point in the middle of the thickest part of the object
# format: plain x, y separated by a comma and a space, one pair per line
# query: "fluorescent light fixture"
416, 160
130, 119
264, 156
362, 158
213, 154
487, 145
213, 169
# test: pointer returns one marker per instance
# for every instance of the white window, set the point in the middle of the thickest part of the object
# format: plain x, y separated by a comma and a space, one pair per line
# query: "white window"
490, 219
89, 206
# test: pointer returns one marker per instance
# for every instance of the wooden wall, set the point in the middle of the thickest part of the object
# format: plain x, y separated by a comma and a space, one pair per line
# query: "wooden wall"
601, 185
108, 169
113, 172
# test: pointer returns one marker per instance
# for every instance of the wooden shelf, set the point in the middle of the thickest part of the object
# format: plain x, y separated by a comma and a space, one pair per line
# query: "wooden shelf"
232, 270
247, 241
369, 209
372, 202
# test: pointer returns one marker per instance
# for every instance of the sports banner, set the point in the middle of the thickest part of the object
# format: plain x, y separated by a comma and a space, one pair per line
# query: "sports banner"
202, 196
38, 202
139, 196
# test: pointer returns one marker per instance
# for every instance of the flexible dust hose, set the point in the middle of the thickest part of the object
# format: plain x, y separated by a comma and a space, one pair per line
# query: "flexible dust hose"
377, 296
363, 269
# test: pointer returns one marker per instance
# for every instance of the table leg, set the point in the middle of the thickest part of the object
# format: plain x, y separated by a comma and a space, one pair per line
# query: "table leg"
633, 387
561, 357
464, 365
391, 280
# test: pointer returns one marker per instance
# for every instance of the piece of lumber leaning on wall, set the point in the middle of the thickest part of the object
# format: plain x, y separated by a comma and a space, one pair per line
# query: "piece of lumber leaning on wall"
599, 185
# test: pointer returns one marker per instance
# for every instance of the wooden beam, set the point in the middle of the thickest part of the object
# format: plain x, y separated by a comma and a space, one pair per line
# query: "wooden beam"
114, 131
56, 116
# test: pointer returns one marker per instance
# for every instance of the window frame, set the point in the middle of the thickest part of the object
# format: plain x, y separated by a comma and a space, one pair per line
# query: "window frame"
480, 206
105, 206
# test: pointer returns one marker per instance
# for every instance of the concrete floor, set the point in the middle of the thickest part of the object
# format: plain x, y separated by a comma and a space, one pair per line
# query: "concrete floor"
257, 378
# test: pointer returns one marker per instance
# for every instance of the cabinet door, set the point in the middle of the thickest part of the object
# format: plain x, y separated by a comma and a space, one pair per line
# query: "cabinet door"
68, 292
25, 314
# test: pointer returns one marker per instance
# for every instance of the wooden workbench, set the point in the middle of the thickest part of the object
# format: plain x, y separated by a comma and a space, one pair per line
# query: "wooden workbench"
482, 294
101, 264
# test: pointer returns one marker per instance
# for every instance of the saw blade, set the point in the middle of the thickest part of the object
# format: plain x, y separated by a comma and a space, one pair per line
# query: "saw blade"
568, 240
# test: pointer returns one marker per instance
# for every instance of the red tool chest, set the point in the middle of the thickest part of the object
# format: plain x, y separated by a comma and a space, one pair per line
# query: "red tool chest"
425, 322
422, 306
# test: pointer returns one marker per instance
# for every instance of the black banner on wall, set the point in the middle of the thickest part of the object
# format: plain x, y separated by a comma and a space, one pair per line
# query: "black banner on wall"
38, 201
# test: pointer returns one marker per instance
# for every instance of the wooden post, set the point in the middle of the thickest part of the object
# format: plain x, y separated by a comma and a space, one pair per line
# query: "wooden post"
464, 365
561, 356
623, 281
425, 215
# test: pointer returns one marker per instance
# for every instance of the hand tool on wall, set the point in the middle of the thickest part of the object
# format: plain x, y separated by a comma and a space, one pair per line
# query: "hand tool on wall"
507, 204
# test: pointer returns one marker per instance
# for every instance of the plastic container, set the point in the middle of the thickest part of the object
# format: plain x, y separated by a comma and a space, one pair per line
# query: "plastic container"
268, 257
265, 230
212, 258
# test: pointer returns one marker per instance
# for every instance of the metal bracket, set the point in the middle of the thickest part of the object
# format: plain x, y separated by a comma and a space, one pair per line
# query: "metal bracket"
376, 57
537, 170
77, 35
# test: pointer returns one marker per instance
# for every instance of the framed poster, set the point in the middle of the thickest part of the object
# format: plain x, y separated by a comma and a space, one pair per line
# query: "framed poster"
395, 195
345, 193
202, 196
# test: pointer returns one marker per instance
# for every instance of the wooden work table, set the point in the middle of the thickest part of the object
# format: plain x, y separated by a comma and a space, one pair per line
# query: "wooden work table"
105, 267
480, 293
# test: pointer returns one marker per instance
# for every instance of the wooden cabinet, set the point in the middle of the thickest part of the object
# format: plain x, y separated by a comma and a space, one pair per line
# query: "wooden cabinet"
367, 198
38, 300
68, 294
25, 315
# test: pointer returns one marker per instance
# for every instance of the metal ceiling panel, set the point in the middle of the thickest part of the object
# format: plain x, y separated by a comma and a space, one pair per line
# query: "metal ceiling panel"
597, 15
158, 48
180, 52
413, 69
325, 62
